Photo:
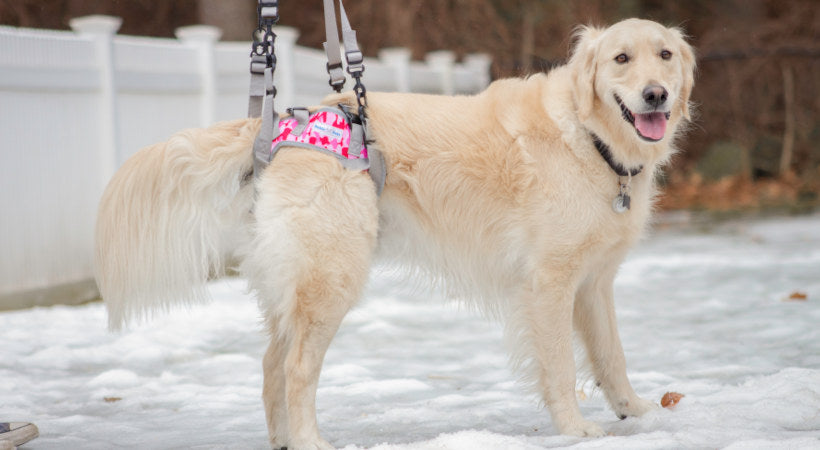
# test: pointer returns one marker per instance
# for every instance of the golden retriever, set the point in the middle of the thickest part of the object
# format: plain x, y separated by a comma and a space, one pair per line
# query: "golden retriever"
512, 197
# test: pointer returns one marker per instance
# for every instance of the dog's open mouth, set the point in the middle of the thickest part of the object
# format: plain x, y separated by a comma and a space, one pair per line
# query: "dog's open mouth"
649, 126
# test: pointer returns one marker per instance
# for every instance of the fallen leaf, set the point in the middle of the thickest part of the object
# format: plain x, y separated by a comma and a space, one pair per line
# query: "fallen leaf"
671, 399
797, 297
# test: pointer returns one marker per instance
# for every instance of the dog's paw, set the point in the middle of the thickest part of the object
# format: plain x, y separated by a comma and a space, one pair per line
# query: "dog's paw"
277, 443
634, 407
582, 428
310, 444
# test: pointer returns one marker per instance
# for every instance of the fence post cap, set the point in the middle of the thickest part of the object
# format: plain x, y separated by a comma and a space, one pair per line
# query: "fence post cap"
478, 59
289, 34
198, 33
441, 58
95, 24
480, 65
395, 54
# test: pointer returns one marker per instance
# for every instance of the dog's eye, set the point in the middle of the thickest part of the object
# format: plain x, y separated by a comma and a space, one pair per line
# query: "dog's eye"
666, 54
622, 58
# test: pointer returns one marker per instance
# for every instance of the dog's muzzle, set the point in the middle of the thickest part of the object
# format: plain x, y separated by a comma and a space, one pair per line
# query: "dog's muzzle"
650, 126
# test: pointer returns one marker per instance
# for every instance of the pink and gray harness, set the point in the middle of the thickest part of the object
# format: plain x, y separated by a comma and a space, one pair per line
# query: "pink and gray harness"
332, 131
335, 131
328, 130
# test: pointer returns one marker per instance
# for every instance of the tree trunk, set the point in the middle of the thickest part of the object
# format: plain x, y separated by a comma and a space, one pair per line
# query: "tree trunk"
236, 19
527, 37
788, 132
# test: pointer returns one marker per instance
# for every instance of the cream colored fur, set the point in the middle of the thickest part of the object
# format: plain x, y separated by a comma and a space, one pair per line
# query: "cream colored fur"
501, 195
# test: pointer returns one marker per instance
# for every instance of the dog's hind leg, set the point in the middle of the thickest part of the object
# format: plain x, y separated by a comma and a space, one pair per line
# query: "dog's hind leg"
273, 390
316, 226
594, 319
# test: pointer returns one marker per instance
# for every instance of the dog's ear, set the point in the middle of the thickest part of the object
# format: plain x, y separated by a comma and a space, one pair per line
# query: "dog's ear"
583, 67
688, 67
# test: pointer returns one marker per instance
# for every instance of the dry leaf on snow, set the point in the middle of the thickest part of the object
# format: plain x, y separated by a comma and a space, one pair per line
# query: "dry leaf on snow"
671, 399
797, 296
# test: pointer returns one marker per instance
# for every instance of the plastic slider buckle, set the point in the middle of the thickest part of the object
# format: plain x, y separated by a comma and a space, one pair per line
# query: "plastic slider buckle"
354, 57
269, 10
336, 75
355, 65
258, 67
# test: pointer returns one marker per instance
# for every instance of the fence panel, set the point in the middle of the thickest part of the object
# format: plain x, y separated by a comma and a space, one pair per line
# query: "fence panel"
48, 200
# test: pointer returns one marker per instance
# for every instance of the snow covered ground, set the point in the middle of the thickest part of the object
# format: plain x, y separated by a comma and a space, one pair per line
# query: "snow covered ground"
700, 313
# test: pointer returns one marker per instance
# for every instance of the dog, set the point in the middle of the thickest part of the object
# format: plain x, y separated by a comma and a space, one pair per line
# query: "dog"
523, 199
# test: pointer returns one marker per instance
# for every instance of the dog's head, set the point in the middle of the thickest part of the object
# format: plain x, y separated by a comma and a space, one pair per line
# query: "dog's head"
636, 74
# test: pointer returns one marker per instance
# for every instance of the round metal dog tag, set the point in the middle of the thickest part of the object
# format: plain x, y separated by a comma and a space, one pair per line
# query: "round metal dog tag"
619, 205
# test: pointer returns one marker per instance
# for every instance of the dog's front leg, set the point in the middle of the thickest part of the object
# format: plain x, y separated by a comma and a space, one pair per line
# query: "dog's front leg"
546, 312
595, 321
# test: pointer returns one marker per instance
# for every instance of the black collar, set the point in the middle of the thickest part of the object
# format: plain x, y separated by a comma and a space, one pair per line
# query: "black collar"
606, 153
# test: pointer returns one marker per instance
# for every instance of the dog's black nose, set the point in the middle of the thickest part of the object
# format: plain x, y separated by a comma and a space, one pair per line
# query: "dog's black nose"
655, 95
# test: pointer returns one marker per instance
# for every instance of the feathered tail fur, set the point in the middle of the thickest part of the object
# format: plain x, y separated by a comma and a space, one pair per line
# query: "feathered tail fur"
170, 218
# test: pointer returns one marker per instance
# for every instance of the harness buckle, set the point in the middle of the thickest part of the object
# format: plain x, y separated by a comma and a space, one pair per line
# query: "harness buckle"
355, 62
269, 10
337, 76
354, 57
258, 64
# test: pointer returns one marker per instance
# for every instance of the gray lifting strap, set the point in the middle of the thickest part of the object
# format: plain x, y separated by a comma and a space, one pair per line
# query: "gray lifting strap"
262, 90
355, 66
353, 55
331, 45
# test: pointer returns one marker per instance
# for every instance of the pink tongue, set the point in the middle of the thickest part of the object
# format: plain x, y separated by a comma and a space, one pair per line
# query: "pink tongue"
652, 125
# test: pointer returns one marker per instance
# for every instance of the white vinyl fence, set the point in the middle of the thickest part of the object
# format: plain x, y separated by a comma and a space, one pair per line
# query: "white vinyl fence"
75, 104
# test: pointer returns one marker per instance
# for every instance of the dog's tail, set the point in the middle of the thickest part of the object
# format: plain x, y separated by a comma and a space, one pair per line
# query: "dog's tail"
171, 218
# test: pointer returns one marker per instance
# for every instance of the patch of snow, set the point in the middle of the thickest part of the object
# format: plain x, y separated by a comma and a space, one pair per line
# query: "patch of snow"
700, 313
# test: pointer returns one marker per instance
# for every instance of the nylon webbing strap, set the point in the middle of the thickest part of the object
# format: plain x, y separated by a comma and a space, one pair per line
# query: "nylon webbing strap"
353, 55
332, 49
270, 120
262, 90
256, 94
355, 63
355, 67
